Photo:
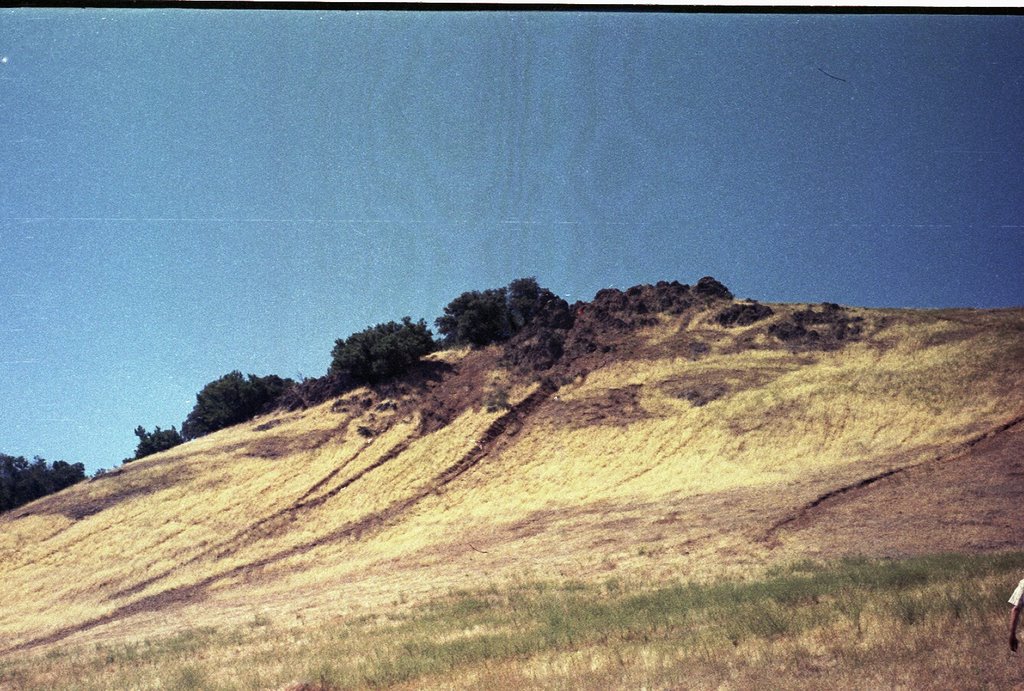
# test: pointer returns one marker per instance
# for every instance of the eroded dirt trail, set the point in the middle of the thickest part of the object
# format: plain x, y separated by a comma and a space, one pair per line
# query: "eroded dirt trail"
503, 428
981, 507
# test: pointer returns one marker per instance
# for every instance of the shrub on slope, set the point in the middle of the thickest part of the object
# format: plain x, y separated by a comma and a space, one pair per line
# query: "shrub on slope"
383, 351
155, 441
478, 318
230, 400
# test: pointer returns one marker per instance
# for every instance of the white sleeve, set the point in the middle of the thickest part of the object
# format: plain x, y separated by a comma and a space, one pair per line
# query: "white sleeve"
1018, 595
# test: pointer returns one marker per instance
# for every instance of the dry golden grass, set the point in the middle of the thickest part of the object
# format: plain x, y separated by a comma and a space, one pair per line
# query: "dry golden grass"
299, 517
933, 622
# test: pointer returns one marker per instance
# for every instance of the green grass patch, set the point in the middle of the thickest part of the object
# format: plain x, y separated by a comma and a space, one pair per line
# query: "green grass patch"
846, 619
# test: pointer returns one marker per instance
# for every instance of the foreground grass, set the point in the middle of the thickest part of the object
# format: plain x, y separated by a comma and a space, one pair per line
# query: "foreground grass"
930, 622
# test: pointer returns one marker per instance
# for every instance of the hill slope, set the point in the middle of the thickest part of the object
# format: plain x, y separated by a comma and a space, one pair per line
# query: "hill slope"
667, 441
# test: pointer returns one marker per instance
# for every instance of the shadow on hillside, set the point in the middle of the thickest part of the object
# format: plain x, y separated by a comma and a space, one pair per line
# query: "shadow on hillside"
108, 490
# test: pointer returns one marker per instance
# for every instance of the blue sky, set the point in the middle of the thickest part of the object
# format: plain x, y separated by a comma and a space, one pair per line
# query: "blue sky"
186, 193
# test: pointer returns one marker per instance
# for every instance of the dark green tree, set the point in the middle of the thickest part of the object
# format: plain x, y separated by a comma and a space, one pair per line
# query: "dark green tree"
22, 481
476, 318
383, 351
232, 399
155, 441
523, 299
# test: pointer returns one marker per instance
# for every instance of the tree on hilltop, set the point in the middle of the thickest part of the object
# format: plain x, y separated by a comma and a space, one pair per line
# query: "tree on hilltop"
383, 351
232, 399
478, 318
475, 318
523, 300
155, 441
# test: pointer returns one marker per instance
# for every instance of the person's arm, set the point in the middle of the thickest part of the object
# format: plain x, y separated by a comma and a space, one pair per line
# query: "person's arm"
1014, 618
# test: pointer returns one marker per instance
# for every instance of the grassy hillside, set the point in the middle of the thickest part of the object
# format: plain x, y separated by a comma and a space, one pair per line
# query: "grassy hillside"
925, 622
674, 449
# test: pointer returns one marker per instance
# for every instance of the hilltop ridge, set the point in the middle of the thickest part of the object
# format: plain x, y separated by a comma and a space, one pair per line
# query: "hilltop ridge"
660, 432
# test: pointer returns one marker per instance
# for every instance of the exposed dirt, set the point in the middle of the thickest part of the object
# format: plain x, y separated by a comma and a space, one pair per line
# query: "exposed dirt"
710, 385
976, 491
491, 440
464, 388
617, 407
81, 508
278, 446
826, 329
311, 392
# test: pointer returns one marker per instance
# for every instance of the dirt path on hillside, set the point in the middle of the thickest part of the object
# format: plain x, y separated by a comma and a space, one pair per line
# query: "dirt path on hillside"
965, 501
968, 500
497, 434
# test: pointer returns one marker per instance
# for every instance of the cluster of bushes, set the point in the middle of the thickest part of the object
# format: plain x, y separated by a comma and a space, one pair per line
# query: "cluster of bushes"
223, 402
22, 481
479, 318
386, 351
230, 400
154, 442
827, 328
383, 351
373, 355
743, 314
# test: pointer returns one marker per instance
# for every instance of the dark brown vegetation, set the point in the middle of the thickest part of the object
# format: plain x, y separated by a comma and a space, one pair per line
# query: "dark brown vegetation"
743, 314
827, 328
536, 331
564, 342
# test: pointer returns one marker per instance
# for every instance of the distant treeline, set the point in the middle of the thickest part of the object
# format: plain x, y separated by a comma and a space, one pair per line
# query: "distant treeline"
22, 481
375, 354
387, 351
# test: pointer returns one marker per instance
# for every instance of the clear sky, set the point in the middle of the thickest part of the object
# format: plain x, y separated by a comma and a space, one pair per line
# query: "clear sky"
186, 193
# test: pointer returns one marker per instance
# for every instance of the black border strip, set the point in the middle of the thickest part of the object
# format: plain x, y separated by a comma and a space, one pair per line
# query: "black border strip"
332, 5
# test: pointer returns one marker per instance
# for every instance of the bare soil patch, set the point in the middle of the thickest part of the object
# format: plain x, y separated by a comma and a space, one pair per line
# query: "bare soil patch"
283, 445
712, 384
967, 501
131, 484
616, 407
